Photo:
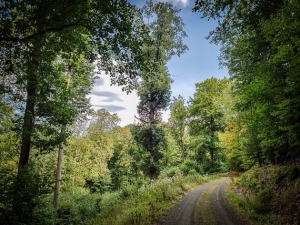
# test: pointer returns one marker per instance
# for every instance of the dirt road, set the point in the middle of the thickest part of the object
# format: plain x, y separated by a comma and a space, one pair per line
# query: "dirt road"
206, 206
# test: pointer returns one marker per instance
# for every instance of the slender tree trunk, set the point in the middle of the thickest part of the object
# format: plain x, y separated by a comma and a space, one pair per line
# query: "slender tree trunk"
60, 155
58, 171
152, 170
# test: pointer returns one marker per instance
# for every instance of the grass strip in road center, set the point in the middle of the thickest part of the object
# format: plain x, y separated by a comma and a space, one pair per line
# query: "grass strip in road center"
205, 213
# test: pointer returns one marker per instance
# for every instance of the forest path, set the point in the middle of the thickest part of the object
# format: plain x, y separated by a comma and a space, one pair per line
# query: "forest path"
205, 205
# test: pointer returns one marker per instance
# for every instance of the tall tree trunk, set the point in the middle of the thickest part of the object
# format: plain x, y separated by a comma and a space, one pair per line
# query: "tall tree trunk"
28, 123
152, 115
23, 198
58, 171
60, 155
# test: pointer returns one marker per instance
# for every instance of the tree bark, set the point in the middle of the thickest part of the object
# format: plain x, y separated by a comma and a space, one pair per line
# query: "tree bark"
28, 122
22, 199
60, 154
58, 171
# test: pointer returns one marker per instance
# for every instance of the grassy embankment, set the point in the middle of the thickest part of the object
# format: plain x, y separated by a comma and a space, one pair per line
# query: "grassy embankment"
148, 204
267, 195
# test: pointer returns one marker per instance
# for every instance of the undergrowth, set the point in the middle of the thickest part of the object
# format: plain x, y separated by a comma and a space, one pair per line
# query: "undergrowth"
268, 195
148, 204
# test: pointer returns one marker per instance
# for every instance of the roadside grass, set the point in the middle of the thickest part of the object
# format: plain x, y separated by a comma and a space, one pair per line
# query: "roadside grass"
268, 195
246, 208
148, 204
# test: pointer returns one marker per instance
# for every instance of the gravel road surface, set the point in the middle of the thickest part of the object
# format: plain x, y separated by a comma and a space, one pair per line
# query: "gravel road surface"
186, 213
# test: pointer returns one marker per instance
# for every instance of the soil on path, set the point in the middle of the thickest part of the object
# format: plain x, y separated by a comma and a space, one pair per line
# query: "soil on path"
205, 205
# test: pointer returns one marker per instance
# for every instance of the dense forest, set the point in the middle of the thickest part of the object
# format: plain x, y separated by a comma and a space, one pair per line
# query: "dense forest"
61, 162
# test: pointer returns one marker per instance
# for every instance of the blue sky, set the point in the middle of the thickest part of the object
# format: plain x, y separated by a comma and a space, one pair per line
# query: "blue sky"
197, 64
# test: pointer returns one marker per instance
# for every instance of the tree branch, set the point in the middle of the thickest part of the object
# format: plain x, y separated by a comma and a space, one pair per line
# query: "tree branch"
140, 119
51, 29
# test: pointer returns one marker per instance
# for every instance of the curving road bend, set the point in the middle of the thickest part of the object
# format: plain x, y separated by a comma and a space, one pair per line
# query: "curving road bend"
189, 211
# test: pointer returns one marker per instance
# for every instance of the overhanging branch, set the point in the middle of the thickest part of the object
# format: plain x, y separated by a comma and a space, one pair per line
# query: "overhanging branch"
51, 29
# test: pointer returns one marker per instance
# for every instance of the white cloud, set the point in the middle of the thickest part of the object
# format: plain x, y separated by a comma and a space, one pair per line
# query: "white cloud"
166, 115
114, 100
183, 3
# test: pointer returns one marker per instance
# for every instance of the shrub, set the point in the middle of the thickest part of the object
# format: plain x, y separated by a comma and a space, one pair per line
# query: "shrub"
77, 206
268, 195
190, 166
148, 204
128, 191
169, 172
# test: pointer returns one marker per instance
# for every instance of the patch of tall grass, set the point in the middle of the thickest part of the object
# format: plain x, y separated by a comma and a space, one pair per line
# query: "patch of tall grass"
249, 208
76, 206
268, 195
148, 204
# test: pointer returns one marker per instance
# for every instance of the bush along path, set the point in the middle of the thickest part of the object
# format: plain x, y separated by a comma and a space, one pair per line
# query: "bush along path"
269, 195
148, 204
206, 206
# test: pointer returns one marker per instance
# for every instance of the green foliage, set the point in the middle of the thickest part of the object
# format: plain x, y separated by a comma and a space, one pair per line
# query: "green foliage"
120, 167
266, 195
78, 206
101, 184
170, 172
260, 48
190, 167
172, 154
6, 112
86, 156
246, 208
48, 52
13, 196
165, 40
165, 28
178, 123
128, 191
146, 205
207, 119
154, 94
150, 135
151, 138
